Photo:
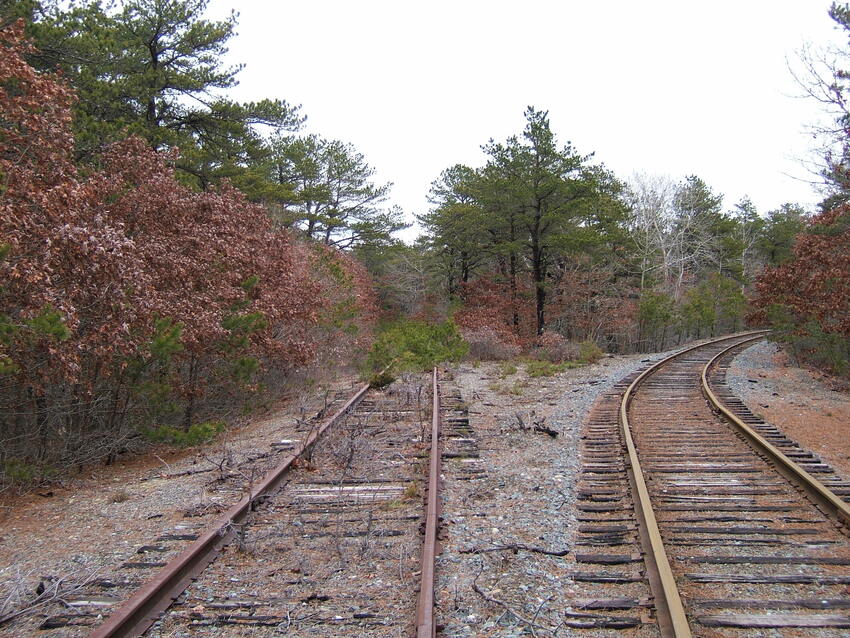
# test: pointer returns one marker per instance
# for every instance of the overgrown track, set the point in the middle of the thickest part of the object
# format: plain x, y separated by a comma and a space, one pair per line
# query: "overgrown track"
327, 544
425, 625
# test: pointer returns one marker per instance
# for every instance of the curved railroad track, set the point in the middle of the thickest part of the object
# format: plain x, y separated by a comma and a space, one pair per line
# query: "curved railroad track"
739, 537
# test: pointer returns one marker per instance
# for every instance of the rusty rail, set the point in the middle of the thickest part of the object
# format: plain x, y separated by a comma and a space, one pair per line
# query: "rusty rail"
817, 491
425, 626
145, 606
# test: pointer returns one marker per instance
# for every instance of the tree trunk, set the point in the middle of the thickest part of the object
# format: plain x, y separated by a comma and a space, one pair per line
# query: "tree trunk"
513, 274
539, 275
193, 383
514, 299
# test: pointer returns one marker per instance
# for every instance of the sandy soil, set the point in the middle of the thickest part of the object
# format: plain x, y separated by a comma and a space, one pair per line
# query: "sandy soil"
809, 406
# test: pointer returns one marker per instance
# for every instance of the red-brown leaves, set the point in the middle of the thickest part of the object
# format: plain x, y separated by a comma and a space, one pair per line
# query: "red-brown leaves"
116, 247
815, 284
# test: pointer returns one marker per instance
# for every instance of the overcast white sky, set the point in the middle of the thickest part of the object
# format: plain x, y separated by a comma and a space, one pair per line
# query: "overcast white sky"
670, 87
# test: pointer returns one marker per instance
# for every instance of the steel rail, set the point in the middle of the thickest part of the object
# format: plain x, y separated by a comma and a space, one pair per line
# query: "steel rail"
425, 625
142, 609
671, 617
817, 491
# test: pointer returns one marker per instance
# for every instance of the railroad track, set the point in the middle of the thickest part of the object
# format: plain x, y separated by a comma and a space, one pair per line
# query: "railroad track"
684, 527
737, 536
330, 542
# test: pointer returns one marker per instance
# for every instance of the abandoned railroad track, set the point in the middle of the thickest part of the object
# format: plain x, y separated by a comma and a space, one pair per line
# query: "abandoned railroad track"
328, 542
337, 550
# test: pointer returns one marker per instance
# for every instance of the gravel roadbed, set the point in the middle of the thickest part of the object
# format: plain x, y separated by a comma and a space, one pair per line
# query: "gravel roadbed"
496, 573
509, 499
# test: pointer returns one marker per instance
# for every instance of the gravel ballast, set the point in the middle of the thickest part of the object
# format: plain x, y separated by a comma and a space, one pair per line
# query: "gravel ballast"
496, 574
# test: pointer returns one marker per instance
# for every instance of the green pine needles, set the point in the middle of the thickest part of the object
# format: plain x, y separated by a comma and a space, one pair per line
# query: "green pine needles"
407, 345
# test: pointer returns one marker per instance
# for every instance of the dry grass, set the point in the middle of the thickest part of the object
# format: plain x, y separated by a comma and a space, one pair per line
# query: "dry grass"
121, 496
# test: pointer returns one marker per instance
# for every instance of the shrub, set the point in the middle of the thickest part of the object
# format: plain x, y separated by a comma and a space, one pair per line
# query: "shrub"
16, 471
131, 302
823, 349
490, 345
656, 312
589, 352
554, 347
381, 380
197, 434
806, 299
120, 496
416, 345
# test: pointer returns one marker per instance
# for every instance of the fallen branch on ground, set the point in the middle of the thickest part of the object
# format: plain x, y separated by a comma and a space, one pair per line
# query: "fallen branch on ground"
515, 547
531, 623
55, 591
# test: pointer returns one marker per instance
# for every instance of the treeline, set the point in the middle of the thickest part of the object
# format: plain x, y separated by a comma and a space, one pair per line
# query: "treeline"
169, 255
542, 248
144, 296
806, 300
